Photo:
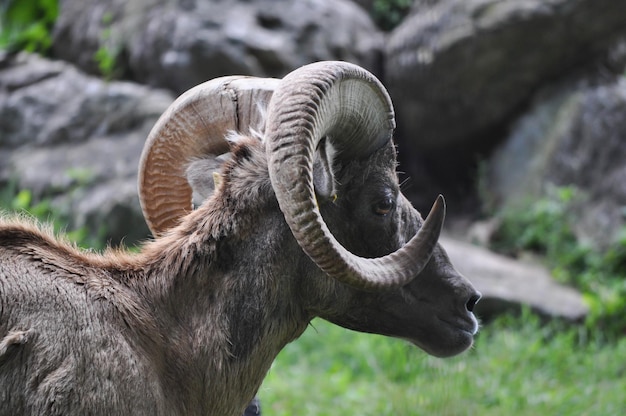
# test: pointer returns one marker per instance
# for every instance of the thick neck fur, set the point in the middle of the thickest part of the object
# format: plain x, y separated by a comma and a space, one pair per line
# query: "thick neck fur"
206, 302
219, 292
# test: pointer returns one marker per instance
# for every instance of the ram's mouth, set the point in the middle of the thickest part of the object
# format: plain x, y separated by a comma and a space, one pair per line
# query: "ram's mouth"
467, 324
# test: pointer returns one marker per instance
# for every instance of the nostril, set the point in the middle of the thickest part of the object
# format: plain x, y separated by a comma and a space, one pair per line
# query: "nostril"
473, 300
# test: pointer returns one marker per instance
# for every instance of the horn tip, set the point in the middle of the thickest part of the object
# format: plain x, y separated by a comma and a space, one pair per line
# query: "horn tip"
440, 201
438, 209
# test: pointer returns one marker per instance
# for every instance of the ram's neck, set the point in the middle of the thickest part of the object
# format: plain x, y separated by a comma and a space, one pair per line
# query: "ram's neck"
227, 304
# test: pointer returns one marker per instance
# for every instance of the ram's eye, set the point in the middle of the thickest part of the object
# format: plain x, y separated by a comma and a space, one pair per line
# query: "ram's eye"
384, 206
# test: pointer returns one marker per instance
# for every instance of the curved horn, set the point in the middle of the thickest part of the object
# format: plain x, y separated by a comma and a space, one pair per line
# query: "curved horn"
194, 125
349, 105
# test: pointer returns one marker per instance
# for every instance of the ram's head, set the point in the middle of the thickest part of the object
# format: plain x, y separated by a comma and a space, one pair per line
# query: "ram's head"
330, 164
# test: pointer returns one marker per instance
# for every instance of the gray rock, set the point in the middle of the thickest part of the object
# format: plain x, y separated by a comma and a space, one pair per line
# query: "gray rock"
573, 135
77, 139
507, 284
178, 44
50, 102
460, 68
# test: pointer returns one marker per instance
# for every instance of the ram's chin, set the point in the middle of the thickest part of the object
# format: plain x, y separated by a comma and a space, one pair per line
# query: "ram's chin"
453, 343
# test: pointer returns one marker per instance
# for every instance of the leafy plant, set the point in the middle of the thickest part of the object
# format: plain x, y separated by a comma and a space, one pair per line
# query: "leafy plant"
540, 226
26, 24
12, 199
81, 176
106, 55
389, 13
545, 226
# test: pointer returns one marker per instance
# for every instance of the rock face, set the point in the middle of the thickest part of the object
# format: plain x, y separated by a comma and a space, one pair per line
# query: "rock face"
179, 44
574, 136
77, 139
459, 71
462, 67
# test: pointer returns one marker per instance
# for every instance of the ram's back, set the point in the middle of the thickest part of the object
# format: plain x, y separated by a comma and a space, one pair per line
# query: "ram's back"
64, 346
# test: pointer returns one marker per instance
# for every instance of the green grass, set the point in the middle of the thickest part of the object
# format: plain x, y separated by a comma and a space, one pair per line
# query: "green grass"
517, 367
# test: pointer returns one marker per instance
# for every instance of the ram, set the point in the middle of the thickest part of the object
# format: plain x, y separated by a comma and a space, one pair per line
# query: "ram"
300, 218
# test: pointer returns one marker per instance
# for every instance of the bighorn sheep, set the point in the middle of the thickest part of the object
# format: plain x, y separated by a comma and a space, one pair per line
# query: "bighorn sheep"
191, 324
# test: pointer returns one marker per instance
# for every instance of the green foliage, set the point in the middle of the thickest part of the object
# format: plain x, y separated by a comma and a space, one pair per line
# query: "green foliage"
545, 226
541, 226
389, 13
106, 60
26, 24
106, 55
80, 176
14, 200
519, 366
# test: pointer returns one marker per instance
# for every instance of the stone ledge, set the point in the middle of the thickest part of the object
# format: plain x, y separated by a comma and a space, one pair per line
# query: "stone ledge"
507, 284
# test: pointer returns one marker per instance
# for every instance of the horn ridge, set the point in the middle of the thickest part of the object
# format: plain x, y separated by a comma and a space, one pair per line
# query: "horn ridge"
336, 99
195, 125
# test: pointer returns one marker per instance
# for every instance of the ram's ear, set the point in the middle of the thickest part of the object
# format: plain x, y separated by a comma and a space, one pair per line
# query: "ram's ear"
323, 175
204, 175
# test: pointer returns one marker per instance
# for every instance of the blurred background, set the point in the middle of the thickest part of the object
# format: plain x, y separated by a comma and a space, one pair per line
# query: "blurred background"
514, 110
